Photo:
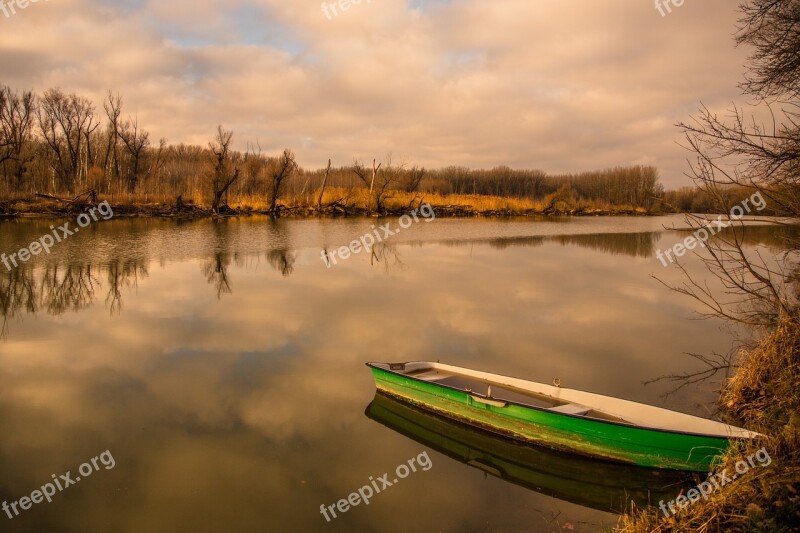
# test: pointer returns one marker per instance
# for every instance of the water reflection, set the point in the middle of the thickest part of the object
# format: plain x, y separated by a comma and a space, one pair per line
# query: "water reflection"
282, 260
17, 293
216, 272
67, 288
66, 283
640, 245
56, 288
590, 483
222, 364
123, 273
387, 255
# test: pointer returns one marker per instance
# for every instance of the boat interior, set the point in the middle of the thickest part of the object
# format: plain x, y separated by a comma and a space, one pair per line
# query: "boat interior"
497, 391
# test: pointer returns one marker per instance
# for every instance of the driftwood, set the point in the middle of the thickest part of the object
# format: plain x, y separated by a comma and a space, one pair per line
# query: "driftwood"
51, 197
90, 196
80, 203
455, 210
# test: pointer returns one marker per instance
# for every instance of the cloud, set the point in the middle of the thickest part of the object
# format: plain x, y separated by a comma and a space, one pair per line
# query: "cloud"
560, 86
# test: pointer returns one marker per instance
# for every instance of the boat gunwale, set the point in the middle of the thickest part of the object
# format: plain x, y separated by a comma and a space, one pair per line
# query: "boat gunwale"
373, 365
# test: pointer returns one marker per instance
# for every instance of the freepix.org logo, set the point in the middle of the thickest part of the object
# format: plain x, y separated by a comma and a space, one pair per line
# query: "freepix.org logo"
665, 6
333, 9
48, 241
10, 7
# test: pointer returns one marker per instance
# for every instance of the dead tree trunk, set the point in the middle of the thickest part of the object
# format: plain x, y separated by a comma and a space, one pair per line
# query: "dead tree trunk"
324, 182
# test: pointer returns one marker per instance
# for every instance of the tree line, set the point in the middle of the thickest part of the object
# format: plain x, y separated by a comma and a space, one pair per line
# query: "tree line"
63, 144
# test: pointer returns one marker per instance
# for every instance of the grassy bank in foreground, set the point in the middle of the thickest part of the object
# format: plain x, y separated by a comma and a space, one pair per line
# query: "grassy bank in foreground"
335, 202
764, 394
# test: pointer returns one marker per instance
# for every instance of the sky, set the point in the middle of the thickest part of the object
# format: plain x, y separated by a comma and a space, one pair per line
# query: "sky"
555, 85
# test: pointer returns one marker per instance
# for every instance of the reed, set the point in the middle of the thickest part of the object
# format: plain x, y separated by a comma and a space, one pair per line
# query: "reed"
765, 394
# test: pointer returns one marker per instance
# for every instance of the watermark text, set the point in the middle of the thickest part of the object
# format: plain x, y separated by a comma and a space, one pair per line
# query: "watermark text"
712, 228
665, 6
332, 9
714, 482
9, 7
375, 487
378, 235
59, 484
46, 242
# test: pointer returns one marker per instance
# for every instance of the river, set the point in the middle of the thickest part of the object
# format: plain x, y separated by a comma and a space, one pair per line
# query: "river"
221, 364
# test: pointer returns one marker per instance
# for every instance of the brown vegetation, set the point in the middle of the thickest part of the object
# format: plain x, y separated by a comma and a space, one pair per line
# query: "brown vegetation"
763, 394
57, 144
739, 154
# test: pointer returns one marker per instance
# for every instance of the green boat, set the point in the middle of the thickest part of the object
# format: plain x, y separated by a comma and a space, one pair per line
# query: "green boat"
570, 420
598, 484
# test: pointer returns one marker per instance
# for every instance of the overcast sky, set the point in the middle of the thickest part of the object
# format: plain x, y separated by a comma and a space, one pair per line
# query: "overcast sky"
558, 85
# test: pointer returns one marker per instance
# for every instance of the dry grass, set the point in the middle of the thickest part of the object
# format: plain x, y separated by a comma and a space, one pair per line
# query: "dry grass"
395, 201
765, 394
766, 388
349, 201
358, 200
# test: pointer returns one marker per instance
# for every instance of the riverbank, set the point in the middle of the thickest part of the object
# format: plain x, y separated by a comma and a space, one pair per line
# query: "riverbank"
336, 203
764, 395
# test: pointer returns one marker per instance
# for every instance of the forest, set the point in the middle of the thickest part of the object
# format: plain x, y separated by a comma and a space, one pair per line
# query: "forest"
62, 147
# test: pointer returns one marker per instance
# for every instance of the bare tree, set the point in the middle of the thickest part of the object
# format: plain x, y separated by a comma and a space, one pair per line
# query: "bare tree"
283, 169
65, 122
157, 164
136, 142
113, 109
772, 28
324, 183
224, 172
254, 170
413, 179
16, 124
738, 152
380, 181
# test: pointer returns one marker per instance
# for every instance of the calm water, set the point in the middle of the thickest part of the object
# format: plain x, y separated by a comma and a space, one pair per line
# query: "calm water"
222, 366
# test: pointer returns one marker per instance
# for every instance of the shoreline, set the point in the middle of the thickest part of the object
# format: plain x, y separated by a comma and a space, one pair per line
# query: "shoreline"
29, 209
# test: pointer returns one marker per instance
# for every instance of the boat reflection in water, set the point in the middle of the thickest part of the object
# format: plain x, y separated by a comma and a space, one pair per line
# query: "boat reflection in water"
593, 483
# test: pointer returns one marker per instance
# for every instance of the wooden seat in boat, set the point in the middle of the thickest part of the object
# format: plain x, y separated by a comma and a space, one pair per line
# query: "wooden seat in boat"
571, 409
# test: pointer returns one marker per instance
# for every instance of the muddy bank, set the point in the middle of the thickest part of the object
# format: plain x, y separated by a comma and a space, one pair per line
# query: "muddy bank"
25, 208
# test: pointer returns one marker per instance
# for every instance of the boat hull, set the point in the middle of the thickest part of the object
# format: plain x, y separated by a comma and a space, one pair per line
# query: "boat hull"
585, 436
